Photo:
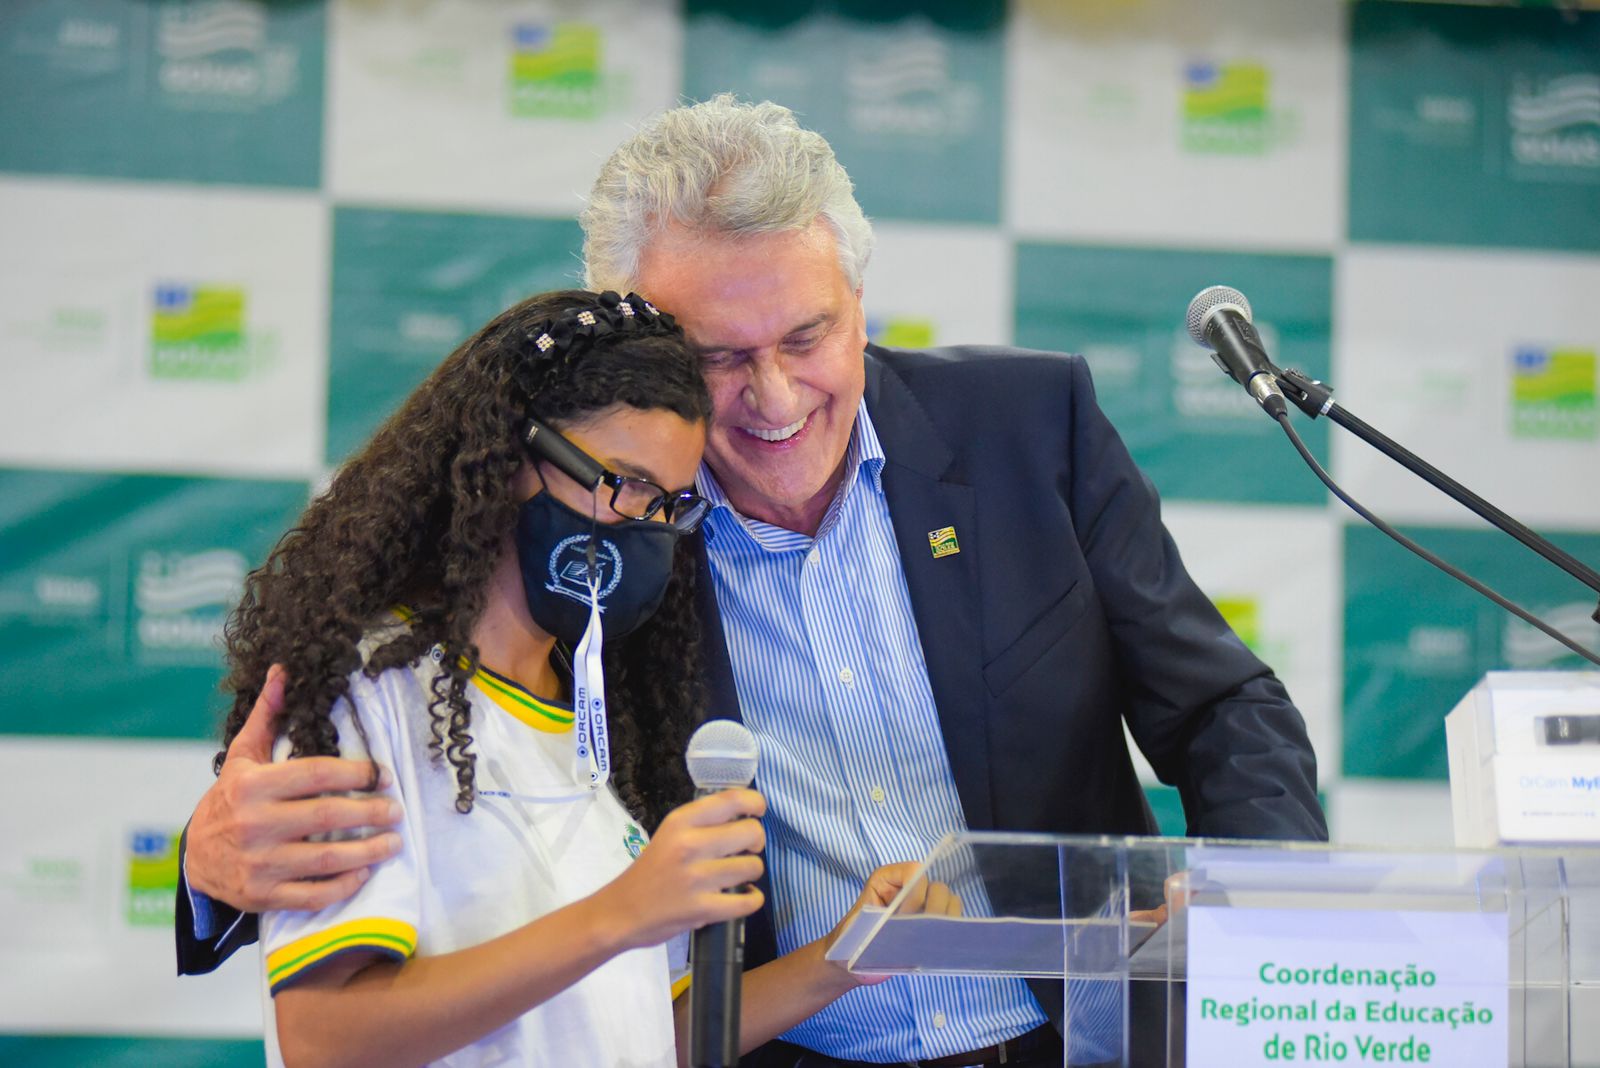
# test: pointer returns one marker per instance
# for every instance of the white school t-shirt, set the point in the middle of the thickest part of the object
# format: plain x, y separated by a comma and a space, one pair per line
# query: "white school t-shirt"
460, 880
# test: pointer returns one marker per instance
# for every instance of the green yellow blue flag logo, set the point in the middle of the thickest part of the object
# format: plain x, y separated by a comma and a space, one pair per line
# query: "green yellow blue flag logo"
152, 877
1553, 393
198, 331
1226, 108
555, 71
943, 542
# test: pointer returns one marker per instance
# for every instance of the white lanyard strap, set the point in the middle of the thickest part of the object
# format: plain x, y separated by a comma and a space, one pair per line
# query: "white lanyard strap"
589, 699
592, 753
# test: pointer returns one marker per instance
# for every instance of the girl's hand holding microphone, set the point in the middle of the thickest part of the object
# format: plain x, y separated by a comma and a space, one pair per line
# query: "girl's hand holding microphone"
681, 880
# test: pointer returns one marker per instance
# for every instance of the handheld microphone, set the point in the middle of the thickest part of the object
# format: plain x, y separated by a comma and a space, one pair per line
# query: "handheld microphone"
1219, 319
722, 755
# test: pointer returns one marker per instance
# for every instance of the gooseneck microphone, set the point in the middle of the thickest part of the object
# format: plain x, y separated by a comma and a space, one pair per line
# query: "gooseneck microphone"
1219, 319
722, 755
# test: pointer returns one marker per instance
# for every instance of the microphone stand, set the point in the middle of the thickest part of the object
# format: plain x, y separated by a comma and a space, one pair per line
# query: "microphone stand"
1316, 399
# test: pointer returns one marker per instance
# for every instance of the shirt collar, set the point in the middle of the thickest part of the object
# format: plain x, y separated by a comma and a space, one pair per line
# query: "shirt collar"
863, 461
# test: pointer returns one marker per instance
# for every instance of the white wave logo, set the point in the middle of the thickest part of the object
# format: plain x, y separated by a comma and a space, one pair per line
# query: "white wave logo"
172, 583
918, 65
1525, 647
1573, 100
907, 89
206, 29
1555, 128
217, 56
1202, 391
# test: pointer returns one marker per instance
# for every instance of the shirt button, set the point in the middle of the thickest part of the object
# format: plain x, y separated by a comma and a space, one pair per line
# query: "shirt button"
878, 795
811, 557
847, 676
938, 1019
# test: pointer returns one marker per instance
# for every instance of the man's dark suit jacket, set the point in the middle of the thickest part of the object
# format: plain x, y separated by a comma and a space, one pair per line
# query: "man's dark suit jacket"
1066, 612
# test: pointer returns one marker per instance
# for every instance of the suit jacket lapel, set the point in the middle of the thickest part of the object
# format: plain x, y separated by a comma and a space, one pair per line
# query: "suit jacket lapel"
924, 496
722, 695
722, 702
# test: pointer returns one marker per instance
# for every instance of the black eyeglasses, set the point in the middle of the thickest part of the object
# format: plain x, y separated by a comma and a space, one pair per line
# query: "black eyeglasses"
631, 498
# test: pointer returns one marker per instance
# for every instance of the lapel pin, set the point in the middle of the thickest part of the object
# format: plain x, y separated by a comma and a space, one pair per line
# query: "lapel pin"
943, 542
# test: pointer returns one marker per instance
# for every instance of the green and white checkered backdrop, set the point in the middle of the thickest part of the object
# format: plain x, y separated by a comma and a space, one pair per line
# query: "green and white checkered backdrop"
233, 234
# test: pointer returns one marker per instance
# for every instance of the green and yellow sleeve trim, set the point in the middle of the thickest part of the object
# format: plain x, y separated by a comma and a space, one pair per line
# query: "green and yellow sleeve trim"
391, 938
536, 712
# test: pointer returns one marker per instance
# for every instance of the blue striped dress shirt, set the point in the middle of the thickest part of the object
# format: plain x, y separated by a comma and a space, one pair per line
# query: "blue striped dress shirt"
832, 681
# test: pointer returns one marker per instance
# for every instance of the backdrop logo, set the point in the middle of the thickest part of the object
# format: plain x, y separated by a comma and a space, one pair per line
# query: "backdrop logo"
1446, 111
1115, 366
1243, 614
217, 54
1523, 647
79, 31
181, 600
1227, 109
1555, 126
67, 595
152, 877
556, 71
83, 45
74, 330
433, 332
907, 89
1436, 649
902, 331
198, 332
1553, 393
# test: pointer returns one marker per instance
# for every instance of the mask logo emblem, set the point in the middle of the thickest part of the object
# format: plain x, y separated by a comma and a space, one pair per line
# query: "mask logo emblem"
569, 568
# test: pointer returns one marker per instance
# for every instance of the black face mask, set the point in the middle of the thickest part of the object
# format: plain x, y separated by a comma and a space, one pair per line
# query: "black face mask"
632, 559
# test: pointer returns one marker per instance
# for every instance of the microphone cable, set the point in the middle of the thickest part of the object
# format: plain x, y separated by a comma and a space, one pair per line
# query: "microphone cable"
1515, 609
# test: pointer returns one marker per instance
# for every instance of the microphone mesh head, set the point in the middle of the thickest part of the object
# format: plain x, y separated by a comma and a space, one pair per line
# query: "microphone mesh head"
722, 754
1209, 300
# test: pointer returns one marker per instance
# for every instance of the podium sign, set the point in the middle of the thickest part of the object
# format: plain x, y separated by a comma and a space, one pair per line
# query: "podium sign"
1329, 986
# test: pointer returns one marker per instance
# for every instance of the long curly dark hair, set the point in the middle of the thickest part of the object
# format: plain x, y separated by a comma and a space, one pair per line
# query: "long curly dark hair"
417, 519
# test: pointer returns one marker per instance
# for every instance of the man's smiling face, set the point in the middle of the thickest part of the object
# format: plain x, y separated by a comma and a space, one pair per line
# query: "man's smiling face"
781, 334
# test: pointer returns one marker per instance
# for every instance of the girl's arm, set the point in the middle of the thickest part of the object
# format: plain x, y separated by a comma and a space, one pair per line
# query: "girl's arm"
361, 1010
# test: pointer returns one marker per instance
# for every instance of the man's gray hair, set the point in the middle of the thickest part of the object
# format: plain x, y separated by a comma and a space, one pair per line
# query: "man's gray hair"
720, 167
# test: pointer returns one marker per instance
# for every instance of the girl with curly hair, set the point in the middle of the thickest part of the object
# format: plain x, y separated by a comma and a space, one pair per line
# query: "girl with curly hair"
503, 553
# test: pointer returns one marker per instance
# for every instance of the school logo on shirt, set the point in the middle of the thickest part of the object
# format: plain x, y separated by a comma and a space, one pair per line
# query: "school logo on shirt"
633, 841
943, 542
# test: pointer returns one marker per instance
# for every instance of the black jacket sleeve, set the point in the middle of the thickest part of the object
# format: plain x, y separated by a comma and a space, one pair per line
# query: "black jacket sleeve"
231, 928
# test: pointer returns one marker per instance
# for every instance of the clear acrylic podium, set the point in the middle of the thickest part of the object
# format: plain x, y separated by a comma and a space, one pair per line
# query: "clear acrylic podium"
1111, 916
